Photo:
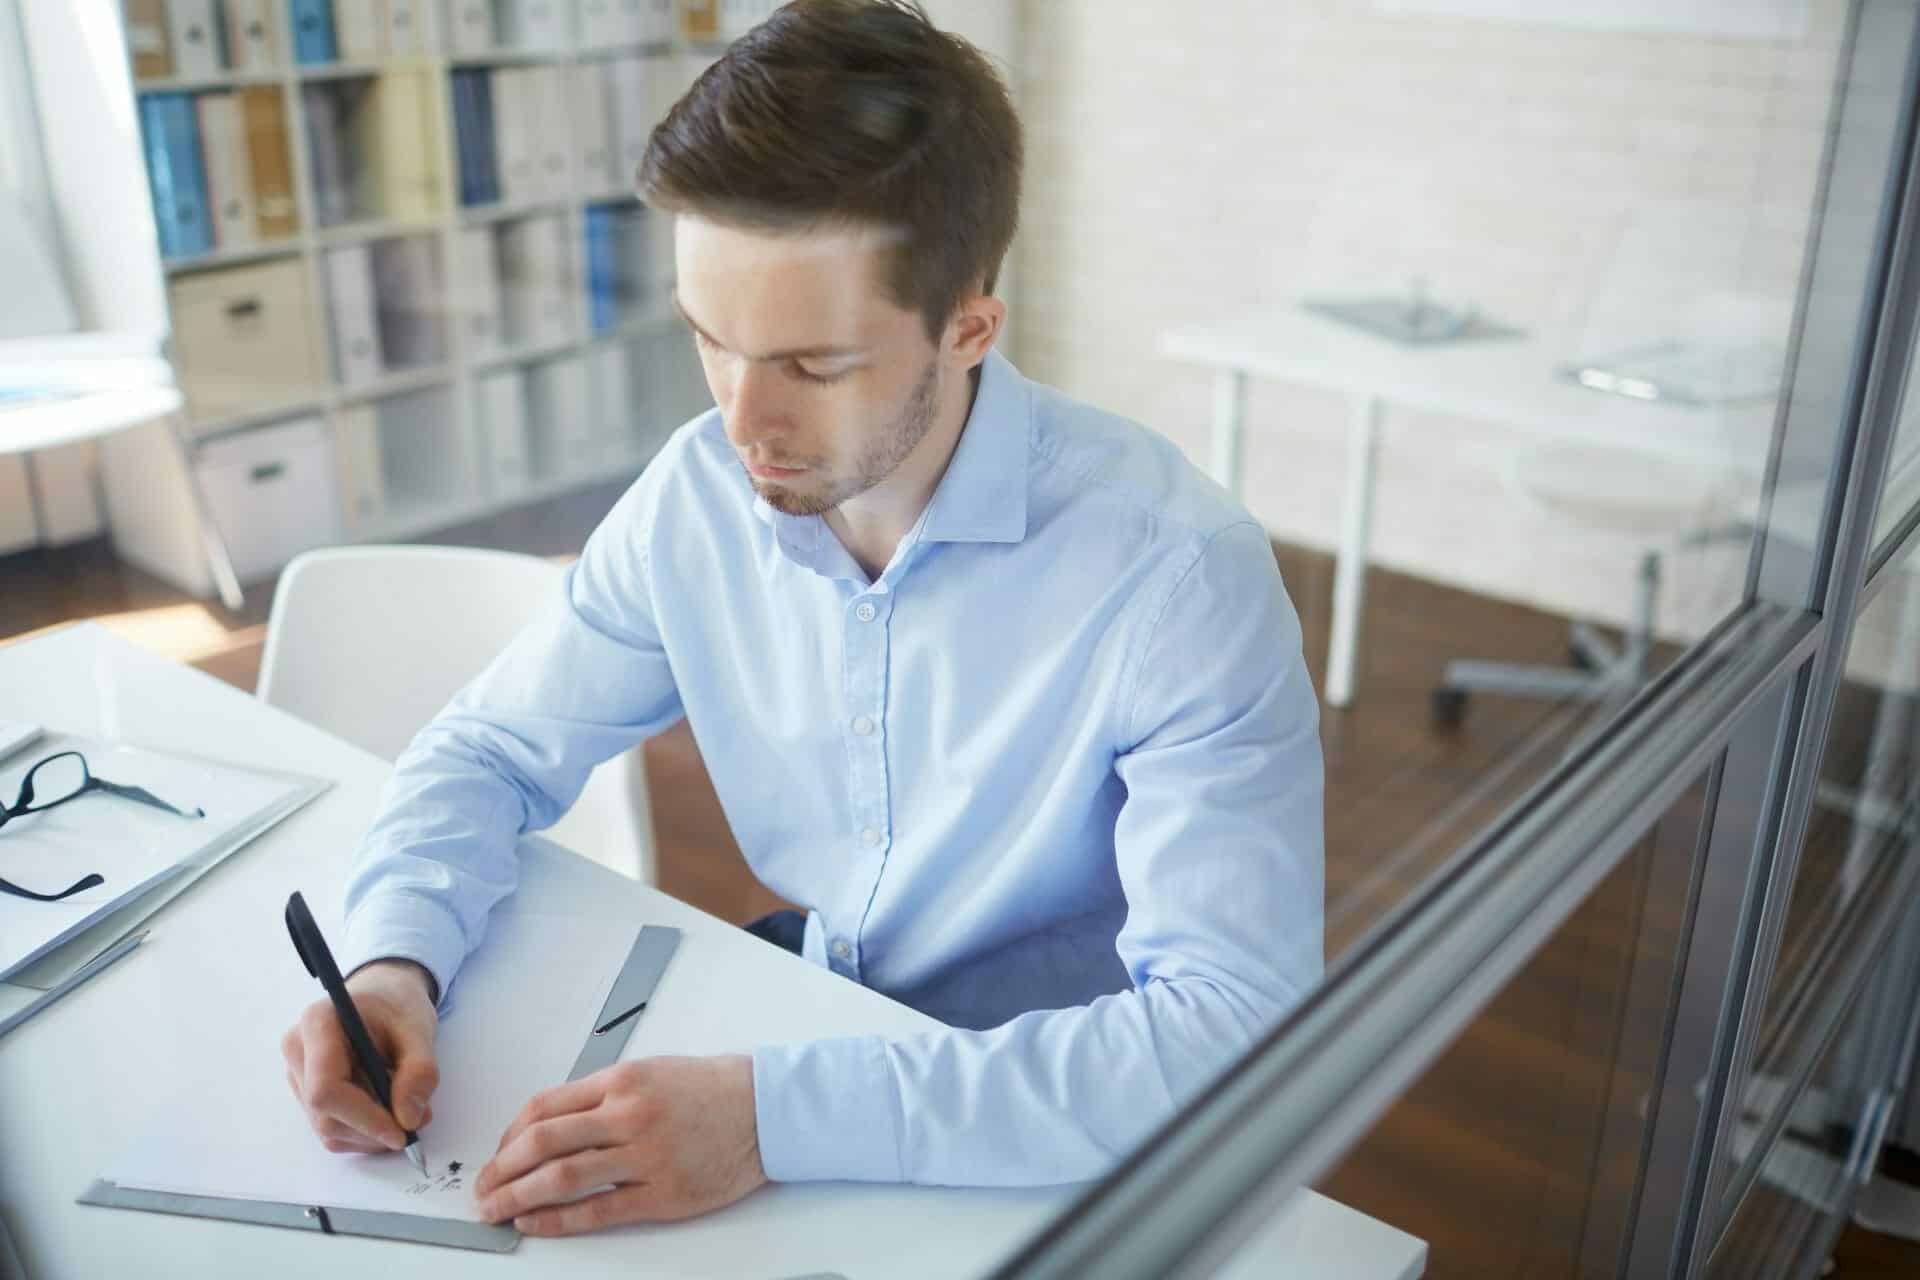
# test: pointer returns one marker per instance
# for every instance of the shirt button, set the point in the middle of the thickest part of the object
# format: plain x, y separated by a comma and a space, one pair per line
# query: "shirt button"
841, 949
863, 725
870, 837
865, 611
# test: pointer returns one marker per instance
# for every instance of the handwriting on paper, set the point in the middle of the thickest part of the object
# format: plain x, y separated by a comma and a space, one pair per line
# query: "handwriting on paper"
448, 1181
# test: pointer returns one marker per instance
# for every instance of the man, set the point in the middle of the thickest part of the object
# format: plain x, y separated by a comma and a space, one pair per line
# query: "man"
998, 684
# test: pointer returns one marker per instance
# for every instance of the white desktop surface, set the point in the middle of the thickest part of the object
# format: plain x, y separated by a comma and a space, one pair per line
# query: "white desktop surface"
75, 1082
1510, 381
48, 424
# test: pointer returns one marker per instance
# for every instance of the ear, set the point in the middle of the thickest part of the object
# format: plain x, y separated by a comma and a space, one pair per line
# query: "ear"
973, 330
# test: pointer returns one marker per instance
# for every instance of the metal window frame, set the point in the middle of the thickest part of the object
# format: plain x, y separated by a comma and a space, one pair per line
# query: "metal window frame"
1860, 442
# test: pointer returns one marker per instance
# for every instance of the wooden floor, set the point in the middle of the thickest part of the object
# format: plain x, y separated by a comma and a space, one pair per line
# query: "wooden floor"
1490, 1156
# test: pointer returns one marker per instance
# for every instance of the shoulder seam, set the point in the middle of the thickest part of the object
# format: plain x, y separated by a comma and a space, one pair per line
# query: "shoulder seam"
1137, 661
1047, 448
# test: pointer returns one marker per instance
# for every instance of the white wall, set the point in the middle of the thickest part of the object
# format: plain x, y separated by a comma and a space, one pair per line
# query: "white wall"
1190, 159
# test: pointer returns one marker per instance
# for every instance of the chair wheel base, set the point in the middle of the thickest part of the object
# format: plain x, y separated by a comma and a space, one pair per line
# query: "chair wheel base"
1449, 707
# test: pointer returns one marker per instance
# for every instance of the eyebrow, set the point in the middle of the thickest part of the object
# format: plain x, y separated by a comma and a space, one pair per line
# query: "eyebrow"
795, 353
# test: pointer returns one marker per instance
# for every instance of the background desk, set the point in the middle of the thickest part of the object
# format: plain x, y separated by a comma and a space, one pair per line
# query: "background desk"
1509, 381
76, 1082
122, 389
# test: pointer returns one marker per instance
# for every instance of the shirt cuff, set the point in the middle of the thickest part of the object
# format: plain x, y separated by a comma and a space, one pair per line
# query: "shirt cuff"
398, 927
828, 1110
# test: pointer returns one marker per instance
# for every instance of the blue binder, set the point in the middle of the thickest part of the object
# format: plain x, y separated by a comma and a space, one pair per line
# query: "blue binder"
176, 173
312, 30
473, 129
601, 309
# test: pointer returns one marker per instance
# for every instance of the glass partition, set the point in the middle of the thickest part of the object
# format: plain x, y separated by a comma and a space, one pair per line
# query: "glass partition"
1857, 869
1518, 1151
1803, 1177
1489, 318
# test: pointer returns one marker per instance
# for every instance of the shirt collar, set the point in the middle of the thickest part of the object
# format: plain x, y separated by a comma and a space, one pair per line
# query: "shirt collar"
983, 495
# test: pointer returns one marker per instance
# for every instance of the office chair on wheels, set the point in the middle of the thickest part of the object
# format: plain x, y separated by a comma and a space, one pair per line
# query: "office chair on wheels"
1606, 489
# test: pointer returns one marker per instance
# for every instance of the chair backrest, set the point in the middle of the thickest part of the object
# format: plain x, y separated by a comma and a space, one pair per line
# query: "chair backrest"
427, 620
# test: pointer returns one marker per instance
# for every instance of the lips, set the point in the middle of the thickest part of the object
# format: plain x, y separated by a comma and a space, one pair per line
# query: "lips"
767, 471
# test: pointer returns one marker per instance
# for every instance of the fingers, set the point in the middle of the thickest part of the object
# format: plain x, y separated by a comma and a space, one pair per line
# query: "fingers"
327, 1087
576, 1095
632, 1203
415, 1073
554, 1182
544, 1141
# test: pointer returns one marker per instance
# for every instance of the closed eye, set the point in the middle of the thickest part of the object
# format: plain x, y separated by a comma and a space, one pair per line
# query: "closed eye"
823, 379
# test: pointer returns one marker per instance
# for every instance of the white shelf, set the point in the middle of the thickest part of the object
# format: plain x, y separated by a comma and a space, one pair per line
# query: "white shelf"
205, 84
287, 248
372, 229
526, 355
204, 429
645, 49
510, 58
319, 71
394, 384
414, 519
425, 499
653, 321
479, 215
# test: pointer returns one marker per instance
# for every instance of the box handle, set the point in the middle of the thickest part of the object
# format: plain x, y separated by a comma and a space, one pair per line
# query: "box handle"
267, 471
243, 307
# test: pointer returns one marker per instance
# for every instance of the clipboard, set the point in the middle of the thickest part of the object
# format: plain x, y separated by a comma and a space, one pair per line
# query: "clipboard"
633, 987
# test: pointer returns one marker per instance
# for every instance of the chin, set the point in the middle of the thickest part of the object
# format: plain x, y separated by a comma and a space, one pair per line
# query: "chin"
793, 502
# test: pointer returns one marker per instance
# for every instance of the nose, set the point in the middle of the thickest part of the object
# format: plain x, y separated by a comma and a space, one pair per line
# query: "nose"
754, 409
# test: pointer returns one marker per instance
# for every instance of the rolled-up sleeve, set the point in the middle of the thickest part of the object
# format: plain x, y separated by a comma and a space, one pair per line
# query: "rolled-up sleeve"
1219, 846
585, 679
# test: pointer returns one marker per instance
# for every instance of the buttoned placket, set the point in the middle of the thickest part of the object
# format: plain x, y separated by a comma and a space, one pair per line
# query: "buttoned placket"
863, 730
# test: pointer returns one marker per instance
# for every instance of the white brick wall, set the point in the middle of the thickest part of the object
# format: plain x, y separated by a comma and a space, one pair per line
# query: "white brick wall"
1191, 158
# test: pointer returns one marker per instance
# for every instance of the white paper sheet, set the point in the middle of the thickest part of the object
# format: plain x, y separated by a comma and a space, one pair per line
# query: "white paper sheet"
527, 1002
134, 846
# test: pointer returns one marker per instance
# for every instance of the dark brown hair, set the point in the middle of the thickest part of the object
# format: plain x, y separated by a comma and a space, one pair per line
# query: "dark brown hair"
857, 112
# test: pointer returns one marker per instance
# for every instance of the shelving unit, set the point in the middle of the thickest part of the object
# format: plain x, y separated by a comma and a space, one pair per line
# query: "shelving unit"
664, 385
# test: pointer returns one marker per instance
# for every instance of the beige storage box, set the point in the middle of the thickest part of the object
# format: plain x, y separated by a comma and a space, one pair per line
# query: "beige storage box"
244, 340
272, 492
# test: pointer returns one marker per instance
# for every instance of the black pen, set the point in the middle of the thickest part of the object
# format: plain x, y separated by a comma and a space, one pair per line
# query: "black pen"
319, 961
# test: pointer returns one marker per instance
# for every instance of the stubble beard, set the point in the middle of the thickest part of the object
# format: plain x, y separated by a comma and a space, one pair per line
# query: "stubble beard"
880, 459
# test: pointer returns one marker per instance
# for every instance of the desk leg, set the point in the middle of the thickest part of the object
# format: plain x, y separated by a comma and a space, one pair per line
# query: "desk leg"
217, 558
1350, 570
1229, 427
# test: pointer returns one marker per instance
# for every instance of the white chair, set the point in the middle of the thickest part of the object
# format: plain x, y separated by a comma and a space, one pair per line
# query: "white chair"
369, 643
1668, 505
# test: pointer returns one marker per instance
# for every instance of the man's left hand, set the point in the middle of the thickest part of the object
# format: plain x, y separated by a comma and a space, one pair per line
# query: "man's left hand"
674, 1136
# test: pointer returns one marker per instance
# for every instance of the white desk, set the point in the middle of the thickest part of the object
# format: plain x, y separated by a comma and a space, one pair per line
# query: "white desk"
75, 1082
123, 389
1509, 381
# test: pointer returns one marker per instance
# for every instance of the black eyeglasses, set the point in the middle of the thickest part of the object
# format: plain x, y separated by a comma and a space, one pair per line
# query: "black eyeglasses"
53, 782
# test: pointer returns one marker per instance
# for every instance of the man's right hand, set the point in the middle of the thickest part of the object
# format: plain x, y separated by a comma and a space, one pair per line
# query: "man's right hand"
393, 999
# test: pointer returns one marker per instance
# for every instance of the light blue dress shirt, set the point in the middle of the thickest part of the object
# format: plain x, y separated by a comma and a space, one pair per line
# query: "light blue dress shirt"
1053, 777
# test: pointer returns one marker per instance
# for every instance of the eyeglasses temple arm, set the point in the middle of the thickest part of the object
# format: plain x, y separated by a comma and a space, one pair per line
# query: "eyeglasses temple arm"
144, 796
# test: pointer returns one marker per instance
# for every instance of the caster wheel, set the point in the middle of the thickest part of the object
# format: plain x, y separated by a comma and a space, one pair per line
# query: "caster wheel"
1579, 660
1449, 708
